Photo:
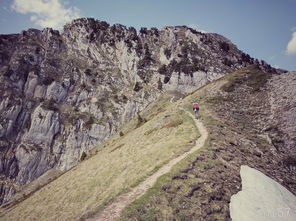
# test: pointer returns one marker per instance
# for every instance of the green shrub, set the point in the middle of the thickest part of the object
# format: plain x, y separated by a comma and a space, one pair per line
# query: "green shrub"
90, 121
173, 123
167, 53
224, 46
159, 84
27, 124
163, 70
47, 80
50, 105
83, 156
290, 161
137, 86
141, 120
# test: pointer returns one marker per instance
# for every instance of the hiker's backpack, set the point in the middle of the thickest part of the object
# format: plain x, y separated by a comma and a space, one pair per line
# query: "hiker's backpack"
195, 106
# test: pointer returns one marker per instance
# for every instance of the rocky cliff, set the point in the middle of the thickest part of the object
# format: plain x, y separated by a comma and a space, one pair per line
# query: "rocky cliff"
61, 94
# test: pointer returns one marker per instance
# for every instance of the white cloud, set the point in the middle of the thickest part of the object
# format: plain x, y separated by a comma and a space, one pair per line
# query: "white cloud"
46, 13
291, 47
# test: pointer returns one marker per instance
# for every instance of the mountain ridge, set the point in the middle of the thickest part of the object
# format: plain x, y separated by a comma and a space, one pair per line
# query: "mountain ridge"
62, 94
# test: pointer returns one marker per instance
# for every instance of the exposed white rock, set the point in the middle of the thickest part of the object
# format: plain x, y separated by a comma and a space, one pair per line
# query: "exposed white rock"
130, 110
56, 91
4, 104
31, 84
45, 125
12, 113
9, 127
162, 57
185, 83
40, 91
261, 199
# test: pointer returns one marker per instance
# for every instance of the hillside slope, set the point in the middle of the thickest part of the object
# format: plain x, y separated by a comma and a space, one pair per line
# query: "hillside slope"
114, 209
161, 133
247, 126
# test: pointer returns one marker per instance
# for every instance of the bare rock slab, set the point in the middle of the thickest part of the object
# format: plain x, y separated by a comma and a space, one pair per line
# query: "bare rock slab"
261, 199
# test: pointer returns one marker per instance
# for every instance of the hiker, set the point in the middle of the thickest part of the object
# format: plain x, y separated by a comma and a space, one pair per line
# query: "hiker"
196, 109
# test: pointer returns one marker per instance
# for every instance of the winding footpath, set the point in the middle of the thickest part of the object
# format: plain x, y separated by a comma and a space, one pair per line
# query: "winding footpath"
113, 211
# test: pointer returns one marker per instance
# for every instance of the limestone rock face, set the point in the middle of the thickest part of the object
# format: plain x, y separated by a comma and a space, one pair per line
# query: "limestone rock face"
261, 199
62, 94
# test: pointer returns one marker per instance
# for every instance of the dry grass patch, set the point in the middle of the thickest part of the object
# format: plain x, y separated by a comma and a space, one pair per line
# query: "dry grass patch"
173, 123
252, 76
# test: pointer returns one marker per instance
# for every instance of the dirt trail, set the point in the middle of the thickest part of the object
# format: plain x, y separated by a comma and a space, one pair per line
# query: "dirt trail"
113, 211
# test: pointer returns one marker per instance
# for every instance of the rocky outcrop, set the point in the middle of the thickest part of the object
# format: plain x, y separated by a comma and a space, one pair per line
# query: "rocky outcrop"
62, 94
261, 198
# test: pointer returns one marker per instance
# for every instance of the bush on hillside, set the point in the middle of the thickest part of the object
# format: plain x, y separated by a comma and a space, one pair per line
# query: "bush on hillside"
163, 69
167, 53
224, 46
47, 80
290, 162
143, 31
139, 49
141, 120
159, 84
137, 86
147, 59
50, 105
83, 156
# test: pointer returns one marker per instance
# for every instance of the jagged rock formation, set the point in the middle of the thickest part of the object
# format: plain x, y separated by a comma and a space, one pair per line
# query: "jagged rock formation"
64, 93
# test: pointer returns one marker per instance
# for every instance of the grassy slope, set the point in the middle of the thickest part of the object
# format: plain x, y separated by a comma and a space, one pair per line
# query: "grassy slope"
168, 199
200, 187
117, 166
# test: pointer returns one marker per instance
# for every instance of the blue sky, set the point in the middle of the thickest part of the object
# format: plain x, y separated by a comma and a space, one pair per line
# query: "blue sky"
265, 29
